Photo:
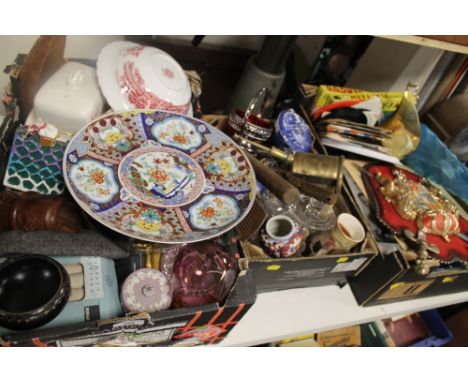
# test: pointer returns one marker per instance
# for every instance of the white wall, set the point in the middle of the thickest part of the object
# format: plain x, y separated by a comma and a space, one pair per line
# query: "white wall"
389, 65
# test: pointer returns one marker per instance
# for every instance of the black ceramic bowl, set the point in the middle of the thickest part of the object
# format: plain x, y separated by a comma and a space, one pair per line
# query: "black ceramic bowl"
33, 290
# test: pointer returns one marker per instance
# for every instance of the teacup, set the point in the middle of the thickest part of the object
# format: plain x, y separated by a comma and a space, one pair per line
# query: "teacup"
281, 236
347, 233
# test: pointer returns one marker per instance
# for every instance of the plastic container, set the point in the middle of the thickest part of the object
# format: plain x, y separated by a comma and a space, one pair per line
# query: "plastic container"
433, 159
437, 326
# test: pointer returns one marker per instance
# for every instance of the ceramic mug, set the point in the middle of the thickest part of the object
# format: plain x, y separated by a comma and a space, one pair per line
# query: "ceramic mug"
347, 233
281, 236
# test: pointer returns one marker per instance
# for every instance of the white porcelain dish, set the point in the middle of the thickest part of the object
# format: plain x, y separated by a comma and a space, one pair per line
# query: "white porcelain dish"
133, 76
69, 99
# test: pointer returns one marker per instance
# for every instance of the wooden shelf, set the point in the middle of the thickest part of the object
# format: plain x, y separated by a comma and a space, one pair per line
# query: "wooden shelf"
296, 312
458, 44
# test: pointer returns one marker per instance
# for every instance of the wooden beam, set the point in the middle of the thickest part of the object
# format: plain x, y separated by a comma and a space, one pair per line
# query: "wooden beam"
431, 41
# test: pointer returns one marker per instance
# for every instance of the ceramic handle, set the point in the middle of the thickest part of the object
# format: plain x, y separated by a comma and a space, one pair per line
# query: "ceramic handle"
282, 189
75, 79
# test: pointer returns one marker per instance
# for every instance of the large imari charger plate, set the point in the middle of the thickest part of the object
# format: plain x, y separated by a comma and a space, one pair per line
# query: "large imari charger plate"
159, 176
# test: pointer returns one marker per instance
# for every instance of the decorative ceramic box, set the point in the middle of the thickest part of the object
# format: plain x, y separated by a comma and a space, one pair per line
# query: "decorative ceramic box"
69, 99
34, 167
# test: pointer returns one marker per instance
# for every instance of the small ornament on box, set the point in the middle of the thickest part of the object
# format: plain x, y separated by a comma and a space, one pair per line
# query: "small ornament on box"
47, 133
146, 290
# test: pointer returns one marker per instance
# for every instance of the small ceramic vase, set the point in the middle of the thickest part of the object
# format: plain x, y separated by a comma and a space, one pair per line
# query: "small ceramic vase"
281, 236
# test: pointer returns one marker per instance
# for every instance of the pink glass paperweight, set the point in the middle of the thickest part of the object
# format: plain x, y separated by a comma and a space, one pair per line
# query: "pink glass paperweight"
203, 274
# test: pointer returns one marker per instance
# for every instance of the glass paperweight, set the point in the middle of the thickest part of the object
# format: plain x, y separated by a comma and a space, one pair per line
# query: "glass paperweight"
314, 214
203, 274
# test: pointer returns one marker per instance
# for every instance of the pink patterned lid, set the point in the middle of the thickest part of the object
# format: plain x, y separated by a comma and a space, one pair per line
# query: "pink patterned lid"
146, 290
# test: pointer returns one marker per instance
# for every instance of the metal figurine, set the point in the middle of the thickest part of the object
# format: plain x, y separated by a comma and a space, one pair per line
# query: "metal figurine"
421, 202
422, 249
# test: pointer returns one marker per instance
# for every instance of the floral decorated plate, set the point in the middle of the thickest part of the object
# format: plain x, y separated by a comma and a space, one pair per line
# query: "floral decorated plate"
159, 176
134, 76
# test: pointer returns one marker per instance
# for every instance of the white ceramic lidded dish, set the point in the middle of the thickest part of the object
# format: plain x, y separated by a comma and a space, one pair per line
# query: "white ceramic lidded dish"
69, 99
133, 76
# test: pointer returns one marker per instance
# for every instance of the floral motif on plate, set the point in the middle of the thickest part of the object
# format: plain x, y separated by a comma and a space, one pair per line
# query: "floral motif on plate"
94, 180
161, 177
214, 211
178, 133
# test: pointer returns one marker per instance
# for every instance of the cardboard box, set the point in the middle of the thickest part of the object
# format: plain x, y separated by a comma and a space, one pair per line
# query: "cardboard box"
390, 278
207, 324
348, 336
300, 272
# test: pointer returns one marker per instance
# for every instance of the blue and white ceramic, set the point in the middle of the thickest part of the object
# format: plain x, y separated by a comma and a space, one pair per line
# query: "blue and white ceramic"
292, 132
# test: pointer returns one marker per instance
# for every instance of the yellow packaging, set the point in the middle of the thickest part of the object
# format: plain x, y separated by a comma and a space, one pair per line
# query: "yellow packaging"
328, 94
